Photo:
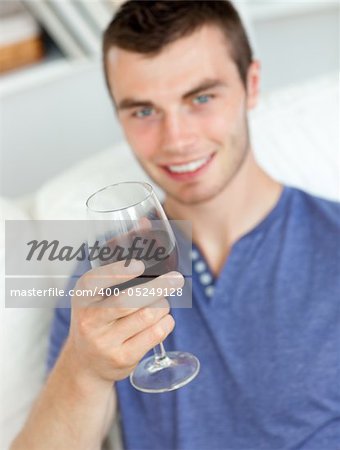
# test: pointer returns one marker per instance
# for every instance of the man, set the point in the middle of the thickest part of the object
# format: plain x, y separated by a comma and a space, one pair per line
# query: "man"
266, 324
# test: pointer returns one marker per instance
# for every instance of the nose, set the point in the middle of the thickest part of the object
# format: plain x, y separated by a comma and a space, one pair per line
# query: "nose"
179, 133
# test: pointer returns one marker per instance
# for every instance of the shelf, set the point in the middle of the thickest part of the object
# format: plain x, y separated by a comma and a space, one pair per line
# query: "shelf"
44, 72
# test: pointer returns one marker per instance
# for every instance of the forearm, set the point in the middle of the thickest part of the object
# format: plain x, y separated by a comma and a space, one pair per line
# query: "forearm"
71, 412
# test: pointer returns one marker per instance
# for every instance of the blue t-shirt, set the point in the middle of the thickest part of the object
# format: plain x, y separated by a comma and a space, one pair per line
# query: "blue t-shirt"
267, 334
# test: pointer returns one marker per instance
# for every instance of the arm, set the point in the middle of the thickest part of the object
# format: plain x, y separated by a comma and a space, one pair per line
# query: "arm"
106, 341
72, 411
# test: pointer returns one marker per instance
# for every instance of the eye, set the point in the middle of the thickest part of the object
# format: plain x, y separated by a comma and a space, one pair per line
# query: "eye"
201, 99
143, 112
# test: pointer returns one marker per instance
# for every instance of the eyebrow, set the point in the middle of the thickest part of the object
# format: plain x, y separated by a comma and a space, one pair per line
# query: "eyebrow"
129, 103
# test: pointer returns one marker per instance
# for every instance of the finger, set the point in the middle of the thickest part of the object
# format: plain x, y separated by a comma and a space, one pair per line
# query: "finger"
141, 296
136, 347
140, 320
113, 308
90, 284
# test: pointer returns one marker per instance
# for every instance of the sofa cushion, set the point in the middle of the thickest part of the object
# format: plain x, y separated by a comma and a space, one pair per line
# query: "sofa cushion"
64, 197
295, 134
23, 346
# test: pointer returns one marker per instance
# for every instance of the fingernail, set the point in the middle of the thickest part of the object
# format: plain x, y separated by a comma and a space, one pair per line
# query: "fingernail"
167, 327
175, 278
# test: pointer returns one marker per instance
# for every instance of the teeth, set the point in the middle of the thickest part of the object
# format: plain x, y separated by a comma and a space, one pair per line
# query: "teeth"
190, 167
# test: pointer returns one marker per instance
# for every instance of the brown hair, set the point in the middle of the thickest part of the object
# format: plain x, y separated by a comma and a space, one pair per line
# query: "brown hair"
146, 27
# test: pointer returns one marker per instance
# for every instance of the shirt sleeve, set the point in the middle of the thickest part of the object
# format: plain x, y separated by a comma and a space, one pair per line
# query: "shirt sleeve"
61, 320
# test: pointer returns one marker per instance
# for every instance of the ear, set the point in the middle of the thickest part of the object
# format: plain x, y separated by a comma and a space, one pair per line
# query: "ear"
253, 84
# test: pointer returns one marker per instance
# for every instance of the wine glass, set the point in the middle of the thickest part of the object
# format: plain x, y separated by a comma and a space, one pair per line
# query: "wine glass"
119, 213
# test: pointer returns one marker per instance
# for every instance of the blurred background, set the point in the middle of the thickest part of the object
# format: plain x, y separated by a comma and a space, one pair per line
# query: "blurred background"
60, 141
54, 108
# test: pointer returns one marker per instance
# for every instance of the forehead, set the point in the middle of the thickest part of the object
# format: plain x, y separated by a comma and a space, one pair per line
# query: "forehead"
179, 66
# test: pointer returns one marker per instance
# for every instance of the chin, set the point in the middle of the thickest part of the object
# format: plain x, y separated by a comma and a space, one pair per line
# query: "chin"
195, 196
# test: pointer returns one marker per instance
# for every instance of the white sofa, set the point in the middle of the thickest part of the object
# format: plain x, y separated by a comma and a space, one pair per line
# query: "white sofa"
295, 133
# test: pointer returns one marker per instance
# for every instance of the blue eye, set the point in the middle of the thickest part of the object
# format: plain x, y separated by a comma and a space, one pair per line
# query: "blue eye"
145, 112
203, 98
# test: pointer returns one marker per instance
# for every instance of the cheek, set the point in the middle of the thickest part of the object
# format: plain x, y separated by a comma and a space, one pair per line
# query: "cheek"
142, 139
216, 126
227, 122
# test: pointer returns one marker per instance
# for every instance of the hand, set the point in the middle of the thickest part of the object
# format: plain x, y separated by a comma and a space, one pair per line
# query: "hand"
108, 338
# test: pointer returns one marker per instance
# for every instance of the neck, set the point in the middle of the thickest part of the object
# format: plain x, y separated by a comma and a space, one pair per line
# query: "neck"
218, 223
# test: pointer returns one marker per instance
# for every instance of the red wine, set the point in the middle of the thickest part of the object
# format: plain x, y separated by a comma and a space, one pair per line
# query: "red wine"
154, 248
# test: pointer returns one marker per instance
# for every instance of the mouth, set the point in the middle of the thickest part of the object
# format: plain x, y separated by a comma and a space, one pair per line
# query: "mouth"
188, 170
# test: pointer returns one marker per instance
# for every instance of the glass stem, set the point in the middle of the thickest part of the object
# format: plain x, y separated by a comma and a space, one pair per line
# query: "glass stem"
159, 352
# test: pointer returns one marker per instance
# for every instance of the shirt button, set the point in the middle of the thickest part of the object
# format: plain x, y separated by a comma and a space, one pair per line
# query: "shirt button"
194, 255
205, 278
200, 266
209, 291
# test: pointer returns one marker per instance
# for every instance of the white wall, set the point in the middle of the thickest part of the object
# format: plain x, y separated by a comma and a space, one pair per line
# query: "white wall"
293, 48
48, 124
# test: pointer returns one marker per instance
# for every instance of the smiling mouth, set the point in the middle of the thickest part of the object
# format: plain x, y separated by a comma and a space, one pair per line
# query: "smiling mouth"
190, 167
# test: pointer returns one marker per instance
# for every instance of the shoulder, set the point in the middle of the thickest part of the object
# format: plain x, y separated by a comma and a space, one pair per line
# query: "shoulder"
322, 214
312, 228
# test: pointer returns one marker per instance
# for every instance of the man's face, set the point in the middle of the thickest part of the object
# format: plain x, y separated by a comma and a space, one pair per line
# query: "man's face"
183, 113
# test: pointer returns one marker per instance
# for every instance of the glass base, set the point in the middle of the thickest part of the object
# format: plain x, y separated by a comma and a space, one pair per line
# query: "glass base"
173, 371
